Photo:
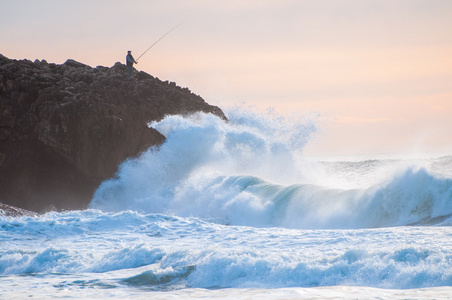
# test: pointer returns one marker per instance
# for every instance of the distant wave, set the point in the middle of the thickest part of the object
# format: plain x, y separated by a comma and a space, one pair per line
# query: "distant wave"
249, 172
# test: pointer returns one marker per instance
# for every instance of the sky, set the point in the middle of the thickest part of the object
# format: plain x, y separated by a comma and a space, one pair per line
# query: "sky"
376, 74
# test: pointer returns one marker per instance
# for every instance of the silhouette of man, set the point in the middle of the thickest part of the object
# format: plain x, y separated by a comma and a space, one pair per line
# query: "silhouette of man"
130, 61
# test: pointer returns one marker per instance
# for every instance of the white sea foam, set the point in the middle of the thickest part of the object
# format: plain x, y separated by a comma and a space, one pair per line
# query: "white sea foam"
251, 171
129, 249
233, 210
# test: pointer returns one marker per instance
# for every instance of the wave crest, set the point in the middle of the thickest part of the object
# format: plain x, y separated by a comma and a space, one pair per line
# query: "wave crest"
249, 172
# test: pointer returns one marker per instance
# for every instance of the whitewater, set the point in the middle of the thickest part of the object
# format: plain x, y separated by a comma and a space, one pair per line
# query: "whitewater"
235, 210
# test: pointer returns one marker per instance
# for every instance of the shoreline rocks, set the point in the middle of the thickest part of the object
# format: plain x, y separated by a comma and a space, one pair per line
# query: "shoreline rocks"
66, 128
11, 211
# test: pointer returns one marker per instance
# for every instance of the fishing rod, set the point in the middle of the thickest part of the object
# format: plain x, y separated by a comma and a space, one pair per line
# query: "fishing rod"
158, 41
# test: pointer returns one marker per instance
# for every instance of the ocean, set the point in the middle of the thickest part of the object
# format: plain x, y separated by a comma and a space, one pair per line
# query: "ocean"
235, 210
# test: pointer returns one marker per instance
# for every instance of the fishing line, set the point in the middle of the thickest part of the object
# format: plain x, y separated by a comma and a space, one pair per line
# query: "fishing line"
158, 41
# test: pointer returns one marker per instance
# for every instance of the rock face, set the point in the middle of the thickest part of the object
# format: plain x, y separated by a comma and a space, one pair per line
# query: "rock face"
66, 128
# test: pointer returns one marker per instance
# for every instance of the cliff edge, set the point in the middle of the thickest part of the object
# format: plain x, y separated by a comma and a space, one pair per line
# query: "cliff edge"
66, 128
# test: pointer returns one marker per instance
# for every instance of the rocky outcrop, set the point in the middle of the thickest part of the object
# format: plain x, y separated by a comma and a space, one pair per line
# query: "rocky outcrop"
66, 128
11, 211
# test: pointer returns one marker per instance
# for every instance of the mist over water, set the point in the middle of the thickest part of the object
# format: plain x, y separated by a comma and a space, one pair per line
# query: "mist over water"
251, 171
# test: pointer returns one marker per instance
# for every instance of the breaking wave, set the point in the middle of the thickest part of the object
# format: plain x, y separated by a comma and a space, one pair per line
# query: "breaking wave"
251, 171
105, 250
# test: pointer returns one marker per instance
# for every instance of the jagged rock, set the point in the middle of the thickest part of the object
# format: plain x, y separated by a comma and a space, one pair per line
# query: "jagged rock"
66, 128
11, 211
75, 64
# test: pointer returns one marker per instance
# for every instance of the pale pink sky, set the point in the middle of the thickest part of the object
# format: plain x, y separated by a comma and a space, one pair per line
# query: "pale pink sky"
378, 72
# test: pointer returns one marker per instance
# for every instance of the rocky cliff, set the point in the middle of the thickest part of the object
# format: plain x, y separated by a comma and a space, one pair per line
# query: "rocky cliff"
66, 128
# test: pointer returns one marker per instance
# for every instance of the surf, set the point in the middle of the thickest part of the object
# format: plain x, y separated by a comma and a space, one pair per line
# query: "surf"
94, 249
251, 171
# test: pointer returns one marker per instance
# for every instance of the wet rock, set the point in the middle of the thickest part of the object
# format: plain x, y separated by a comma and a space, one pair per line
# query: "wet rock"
11, 211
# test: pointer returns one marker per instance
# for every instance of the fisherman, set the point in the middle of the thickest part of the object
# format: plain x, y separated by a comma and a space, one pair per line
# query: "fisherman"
130, 61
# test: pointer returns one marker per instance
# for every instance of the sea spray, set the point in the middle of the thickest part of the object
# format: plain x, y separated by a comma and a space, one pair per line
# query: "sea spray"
203, 144
166, 225
248, 172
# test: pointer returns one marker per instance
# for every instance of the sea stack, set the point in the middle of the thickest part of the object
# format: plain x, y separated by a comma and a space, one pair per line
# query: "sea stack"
66, 128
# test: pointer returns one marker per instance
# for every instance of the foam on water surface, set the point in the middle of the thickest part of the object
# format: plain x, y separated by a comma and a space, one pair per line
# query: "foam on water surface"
251, 171
234, 210
160, 252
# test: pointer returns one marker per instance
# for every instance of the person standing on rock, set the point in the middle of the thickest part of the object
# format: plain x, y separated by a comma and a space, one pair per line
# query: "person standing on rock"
130, 61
